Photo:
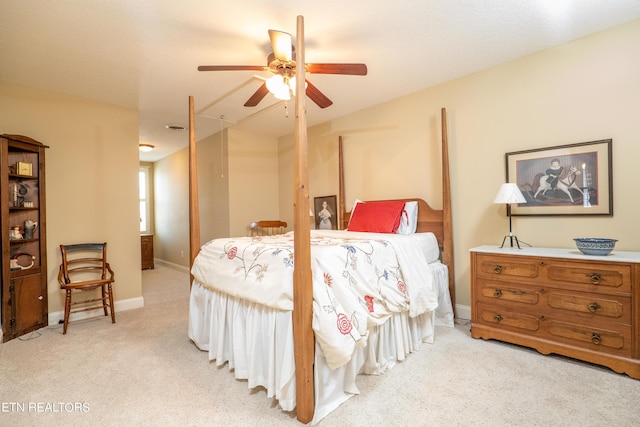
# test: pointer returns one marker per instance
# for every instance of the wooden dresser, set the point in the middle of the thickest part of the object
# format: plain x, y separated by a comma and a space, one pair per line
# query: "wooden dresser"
560, 301
146, 251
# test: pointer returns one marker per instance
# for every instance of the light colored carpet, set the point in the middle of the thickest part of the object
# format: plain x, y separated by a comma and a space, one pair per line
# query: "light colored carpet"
144, 371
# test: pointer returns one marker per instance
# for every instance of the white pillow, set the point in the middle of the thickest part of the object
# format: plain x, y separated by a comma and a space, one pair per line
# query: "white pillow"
409, 219
353, 209
429, 246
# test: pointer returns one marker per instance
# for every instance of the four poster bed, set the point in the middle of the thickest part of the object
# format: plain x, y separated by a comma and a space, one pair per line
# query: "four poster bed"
349, 302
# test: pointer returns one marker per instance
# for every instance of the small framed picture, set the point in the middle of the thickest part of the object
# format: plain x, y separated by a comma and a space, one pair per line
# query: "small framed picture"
325, 213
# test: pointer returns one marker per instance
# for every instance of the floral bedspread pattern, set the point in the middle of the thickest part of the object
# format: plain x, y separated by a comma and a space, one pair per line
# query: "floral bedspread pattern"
359, 279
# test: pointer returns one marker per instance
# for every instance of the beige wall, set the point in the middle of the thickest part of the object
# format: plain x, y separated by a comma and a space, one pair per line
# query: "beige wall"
213, 182
582, 91
237, 184
171, 208
91, 179
253, 180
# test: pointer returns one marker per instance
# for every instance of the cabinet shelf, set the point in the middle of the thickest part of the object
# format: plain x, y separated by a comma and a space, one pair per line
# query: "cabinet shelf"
22, 241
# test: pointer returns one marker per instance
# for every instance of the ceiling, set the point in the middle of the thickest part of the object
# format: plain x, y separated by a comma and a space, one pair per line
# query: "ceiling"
144, 54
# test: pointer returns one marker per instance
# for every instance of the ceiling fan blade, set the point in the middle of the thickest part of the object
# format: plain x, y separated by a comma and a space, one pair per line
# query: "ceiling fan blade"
350, 69
257, 96
231, 68
316, 96
281, 43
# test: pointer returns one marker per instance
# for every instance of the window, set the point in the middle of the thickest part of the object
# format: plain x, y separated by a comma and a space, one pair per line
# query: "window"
145, 201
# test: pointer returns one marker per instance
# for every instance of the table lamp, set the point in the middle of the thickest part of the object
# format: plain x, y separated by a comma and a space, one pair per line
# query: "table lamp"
507, 194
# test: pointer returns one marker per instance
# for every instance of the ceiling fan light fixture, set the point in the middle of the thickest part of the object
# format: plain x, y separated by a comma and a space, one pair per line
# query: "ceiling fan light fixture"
146, 147
278, 87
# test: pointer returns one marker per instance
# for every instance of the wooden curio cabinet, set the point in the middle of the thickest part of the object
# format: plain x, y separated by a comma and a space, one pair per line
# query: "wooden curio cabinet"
23, 238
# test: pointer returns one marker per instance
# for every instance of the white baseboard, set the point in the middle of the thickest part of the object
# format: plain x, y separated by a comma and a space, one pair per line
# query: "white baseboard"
463, 312
122, 305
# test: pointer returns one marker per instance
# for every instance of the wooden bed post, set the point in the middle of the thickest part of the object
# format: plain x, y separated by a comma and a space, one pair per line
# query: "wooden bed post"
303, 337
194, 210
341, 224
447, 221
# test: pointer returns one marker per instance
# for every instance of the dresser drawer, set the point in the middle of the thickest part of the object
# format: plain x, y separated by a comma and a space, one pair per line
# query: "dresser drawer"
615, 341
507, 317
501, 268
591, 277
495, 291
578, 275
593, 306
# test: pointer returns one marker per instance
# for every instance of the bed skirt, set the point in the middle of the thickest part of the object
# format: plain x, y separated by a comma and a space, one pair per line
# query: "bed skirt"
257, 343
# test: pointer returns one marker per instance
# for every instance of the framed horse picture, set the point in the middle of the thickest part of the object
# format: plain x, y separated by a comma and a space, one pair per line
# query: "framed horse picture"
573, 179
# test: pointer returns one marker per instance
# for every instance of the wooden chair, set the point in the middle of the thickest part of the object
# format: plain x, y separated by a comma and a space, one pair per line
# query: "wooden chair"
85, 268
267, 228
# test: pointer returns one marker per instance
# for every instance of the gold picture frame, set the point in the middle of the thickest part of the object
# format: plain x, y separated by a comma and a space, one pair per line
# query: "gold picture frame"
325, 209
574, 179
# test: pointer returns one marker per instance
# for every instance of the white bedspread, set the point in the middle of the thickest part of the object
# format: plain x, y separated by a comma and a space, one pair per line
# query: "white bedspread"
360, 280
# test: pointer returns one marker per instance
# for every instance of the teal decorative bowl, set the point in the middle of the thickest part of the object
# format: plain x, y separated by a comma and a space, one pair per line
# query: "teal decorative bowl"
595, 246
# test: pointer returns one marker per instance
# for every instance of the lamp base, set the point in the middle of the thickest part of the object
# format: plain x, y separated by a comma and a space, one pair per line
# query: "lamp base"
512, 238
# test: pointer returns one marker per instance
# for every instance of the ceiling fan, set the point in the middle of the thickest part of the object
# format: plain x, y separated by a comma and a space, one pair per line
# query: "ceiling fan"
282, 63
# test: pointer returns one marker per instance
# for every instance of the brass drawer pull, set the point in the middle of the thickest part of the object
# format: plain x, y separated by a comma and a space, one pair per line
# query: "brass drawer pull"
595, 338
595, 278
498, 317
497, 293
497, 269
593, 307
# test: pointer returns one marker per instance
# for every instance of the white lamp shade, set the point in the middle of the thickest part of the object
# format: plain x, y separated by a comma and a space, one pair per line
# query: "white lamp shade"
278, 88
509, 193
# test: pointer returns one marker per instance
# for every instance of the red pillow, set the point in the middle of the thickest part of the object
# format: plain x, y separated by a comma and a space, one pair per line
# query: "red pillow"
376, 217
